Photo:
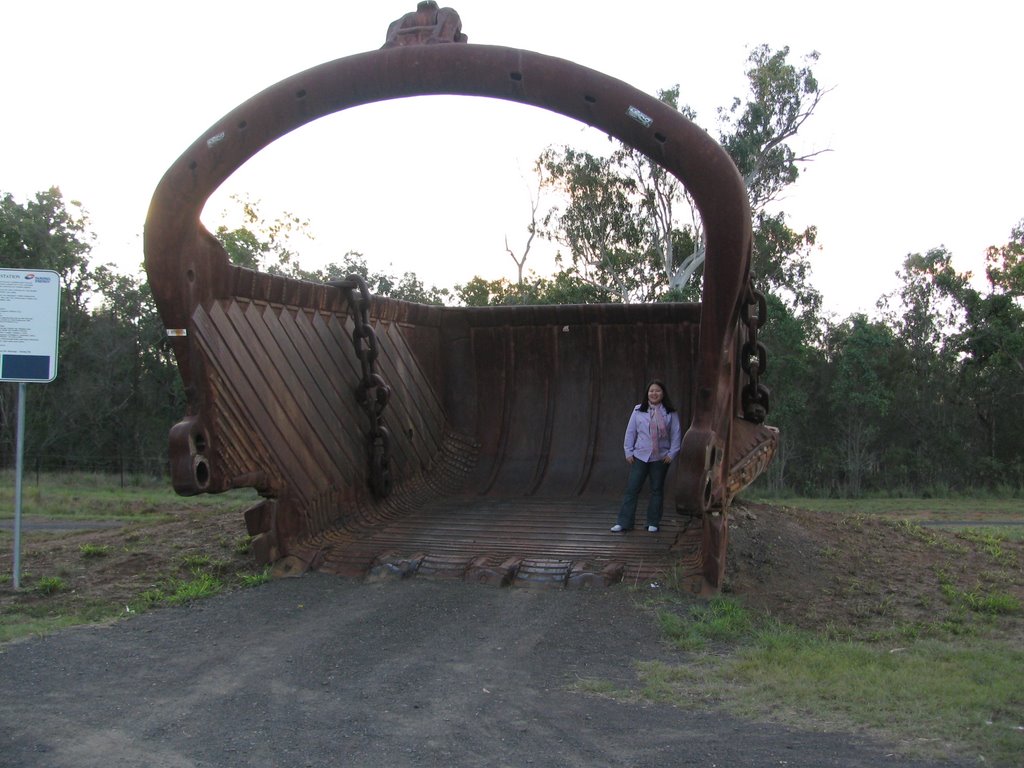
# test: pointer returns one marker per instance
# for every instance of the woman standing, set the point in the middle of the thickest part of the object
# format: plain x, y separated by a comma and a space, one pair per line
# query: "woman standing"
652, 440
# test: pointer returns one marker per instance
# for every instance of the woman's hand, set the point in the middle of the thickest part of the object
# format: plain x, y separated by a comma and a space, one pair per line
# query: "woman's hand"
629, 459
667, 459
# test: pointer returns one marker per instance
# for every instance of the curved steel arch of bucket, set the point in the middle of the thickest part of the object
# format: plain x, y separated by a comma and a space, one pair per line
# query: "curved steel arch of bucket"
186, 265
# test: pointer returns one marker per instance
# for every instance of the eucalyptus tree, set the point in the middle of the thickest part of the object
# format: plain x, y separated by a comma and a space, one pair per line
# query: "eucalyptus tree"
46, 232
859, 396
964, 400
631, 229
273, 245
991, 350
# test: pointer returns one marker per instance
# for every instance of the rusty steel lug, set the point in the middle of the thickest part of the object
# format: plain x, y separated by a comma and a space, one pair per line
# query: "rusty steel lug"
390, 565
484, 571
542, 573
444, 567
190, 465
586, 575
371, 425
289, 567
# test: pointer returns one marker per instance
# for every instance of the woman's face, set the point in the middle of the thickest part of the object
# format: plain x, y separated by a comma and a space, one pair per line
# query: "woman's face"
654, 394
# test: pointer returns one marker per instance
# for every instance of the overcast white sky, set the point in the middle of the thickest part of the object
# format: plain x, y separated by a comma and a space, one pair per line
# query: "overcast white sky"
924, 122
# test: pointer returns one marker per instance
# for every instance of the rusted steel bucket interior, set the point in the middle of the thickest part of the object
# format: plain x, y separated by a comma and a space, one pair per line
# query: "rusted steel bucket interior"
506, 423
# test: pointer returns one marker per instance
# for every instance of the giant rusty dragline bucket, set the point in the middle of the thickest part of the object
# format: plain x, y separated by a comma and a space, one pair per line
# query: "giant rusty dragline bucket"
498, 454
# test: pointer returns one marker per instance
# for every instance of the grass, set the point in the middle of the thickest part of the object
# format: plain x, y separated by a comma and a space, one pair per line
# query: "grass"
716, 621
927, 692
927, 535
977, 599
952, 682
935, 508
75, 593
99, 497
992, 541
1001, 519
94, 550
947, 681
49, 585
40, 619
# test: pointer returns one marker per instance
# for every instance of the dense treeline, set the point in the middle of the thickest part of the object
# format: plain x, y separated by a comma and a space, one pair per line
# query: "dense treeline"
117, 391
926, 396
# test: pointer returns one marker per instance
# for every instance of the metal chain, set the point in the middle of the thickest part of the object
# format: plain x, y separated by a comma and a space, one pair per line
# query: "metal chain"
372, 393
755, 396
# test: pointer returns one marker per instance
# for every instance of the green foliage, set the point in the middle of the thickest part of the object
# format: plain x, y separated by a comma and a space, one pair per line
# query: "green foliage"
174, 591
757, 132
42, 618
992, 543
48, 233
185, 591
721, 619
963, 354
243, 546
631, 230
196, 562
937, 691
270, 246
262, 244
48, 585
600, 223
102, 497
977, 599
254, 579
859, 393
565, 287
93, 551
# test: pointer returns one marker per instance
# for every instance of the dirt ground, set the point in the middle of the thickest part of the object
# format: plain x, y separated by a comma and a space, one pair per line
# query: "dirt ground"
854, 573
861, 575
325, 671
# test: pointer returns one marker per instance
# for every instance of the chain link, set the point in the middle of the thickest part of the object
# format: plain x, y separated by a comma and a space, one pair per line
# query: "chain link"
372, 392
755, 396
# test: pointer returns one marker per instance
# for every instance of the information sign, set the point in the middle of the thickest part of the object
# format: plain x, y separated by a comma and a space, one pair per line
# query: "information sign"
29, 324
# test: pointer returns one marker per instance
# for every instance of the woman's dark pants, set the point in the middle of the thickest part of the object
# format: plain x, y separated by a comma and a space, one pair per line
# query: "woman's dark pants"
638, 473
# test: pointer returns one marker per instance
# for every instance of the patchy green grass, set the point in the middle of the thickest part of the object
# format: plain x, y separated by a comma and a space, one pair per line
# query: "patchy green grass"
722, 620
993, 541
90, 497
41, 619
255, 579
927, 535
48, 585
200, 586
928, 693
90, 550
949, 508
168, 550
978, 599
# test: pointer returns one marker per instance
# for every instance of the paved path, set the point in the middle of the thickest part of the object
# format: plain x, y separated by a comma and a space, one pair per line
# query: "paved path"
55, 525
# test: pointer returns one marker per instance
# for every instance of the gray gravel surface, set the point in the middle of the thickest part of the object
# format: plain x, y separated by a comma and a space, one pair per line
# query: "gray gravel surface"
322, 671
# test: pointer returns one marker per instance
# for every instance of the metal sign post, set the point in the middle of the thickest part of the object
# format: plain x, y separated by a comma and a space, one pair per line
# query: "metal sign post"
19, 465
29, 328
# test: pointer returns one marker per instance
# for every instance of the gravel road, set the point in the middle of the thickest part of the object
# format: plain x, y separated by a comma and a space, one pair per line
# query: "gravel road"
322, 671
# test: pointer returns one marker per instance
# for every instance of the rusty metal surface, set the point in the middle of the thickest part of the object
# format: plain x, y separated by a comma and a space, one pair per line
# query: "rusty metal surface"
540, 541
427, 24
509, 404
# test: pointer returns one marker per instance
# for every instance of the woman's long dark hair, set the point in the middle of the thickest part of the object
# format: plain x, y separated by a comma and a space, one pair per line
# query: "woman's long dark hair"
665, 399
